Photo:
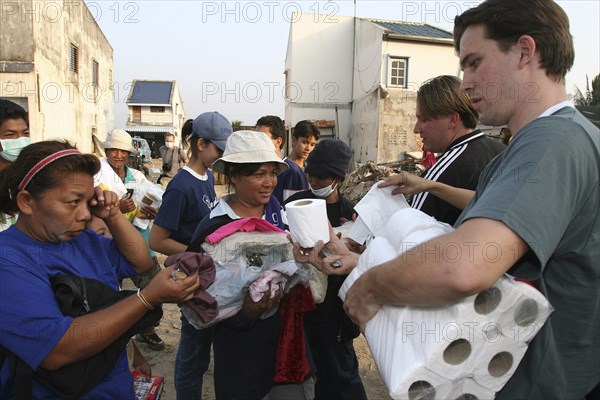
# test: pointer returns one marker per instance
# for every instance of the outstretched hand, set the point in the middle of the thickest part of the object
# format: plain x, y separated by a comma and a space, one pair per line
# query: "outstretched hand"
406, 183
337, 251
164, 289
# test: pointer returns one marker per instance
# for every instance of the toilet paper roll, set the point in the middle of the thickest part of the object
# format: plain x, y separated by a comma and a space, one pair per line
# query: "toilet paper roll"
400, 366
423, 235
528, 314
468, 389
378, 252
308, 221
497, 362
404, 222
403, 338
422, 384
486, 308
447, 346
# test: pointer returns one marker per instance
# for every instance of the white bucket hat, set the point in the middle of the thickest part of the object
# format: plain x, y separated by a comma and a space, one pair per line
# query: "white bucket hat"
119, 139
247, 147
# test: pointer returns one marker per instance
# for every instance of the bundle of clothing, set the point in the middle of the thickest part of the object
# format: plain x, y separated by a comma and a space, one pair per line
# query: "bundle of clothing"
245, 256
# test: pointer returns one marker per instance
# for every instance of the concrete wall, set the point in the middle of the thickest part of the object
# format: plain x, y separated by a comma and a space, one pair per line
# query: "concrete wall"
425, 60
383, 117
379, 124
62, 104
319, 70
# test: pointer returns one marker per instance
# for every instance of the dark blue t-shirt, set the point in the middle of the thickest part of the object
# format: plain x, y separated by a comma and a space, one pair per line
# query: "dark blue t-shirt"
185, 202
31, 323
290, 181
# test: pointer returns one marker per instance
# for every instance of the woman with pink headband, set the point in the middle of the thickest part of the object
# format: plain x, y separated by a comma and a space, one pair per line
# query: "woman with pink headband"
50, 185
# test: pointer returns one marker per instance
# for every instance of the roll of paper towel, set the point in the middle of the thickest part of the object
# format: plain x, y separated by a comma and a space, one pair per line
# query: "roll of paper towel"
497, 362
308, 221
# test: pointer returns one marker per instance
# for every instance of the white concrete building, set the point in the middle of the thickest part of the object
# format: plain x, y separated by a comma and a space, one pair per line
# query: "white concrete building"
56, 62
363, 74
153, 109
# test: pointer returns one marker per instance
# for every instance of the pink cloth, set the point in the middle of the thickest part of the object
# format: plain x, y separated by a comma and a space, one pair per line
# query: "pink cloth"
261, 285
250, 224
203, 304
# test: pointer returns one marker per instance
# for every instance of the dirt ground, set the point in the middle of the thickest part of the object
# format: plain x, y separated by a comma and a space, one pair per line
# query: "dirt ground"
162, 362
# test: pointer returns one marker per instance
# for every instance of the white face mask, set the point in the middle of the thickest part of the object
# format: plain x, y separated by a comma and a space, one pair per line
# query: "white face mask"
12, 147
323, 192
169, 145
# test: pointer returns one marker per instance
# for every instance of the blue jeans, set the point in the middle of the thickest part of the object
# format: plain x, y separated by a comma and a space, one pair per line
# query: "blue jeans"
192, 360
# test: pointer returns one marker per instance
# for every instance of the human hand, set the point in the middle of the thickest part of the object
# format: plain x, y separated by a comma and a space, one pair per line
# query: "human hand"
148, 212
266, 303
407, 183
337, 250
164, 289
354, 246
104, 204
361, 304
126, 204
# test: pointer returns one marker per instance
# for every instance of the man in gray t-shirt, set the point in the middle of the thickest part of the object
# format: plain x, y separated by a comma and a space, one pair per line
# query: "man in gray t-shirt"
536, 205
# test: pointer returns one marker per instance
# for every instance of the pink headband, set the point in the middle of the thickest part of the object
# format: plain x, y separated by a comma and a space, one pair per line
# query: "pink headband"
43, 163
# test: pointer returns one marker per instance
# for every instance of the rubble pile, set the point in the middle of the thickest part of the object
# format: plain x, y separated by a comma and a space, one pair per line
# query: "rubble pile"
359, 181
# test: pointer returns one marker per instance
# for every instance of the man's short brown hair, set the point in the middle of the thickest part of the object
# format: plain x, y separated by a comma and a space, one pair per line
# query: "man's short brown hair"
441, 96
505, 21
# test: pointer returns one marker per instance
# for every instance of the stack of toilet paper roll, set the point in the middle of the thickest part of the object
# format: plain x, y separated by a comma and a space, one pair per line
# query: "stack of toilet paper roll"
467, 350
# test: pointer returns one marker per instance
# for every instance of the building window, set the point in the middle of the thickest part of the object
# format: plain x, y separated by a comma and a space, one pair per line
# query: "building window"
74, 64
110, 79
95, 77
157, 109
397, 72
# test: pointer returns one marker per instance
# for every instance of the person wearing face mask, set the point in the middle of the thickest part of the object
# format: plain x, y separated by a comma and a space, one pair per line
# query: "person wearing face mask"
329, 331
173, 158
14, 136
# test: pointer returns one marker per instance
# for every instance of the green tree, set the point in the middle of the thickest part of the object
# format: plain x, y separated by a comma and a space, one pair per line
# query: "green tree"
591, 97
236, 123
596, 91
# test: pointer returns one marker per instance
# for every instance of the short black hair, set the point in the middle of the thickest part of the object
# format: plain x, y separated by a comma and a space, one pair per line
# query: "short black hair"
306, 129
276, 125
11, 110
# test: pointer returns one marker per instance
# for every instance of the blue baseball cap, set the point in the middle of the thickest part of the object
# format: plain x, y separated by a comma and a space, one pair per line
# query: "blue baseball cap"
214, 127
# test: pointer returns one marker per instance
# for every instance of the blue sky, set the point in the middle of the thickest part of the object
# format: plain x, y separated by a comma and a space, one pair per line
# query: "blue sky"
229, 56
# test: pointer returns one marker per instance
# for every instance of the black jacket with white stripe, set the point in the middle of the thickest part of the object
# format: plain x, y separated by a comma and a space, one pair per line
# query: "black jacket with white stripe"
459, 166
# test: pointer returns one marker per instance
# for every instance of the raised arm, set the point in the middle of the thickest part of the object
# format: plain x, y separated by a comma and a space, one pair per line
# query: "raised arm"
126, 237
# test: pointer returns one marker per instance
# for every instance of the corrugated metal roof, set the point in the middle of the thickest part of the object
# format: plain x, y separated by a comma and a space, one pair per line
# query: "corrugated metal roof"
413, 29
154, 129
151, 92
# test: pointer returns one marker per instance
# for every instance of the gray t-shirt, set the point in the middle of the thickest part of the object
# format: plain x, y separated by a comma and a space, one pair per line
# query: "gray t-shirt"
545, 187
